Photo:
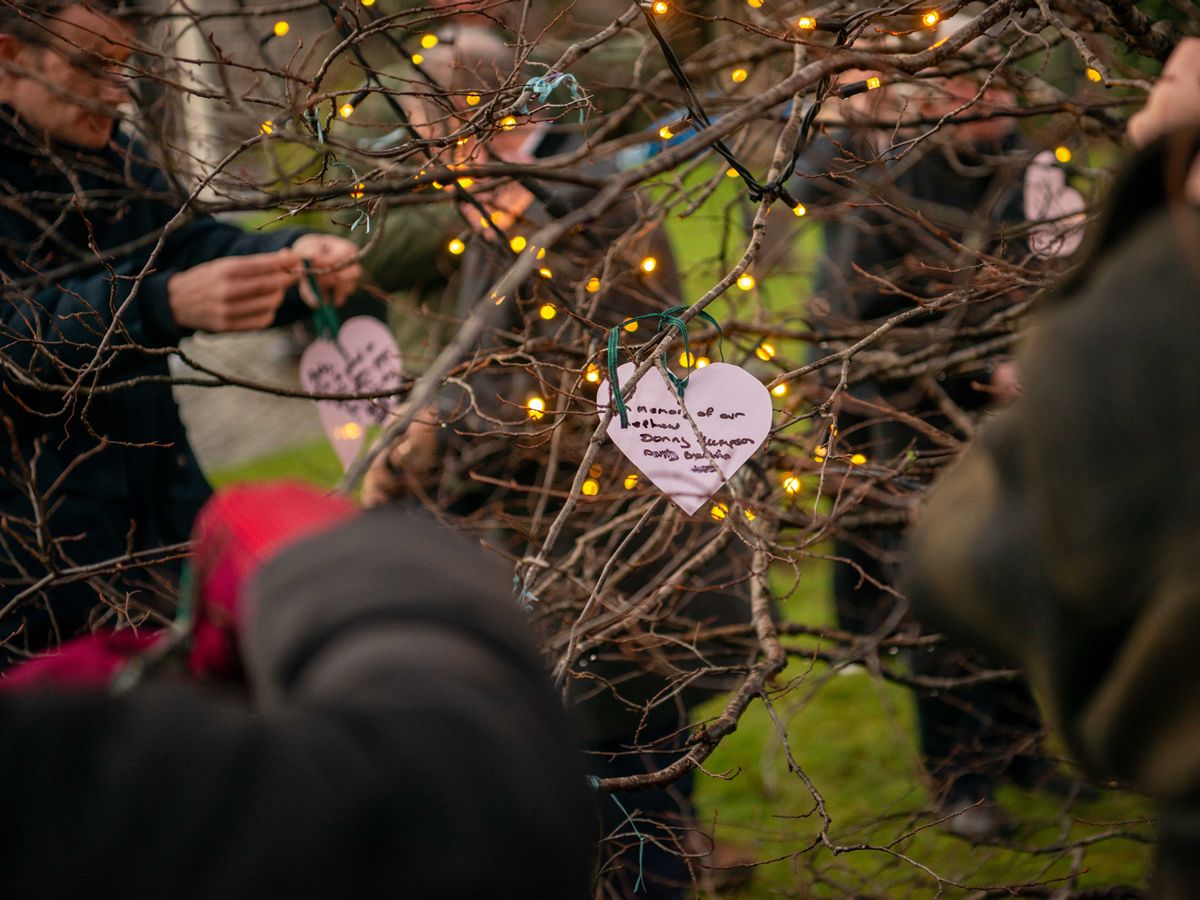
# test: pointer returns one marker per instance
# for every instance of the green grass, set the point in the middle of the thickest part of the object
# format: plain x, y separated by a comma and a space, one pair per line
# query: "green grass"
313, 462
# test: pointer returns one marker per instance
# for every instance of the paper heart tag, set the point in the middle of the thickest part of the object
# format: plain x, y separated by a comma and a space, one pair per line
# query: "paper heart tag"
1048, 197
364, 359
730, 407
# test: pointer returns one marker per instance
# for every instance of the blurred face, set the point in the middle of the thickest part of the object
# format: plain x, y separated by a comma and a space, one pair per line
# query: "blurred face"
70, 86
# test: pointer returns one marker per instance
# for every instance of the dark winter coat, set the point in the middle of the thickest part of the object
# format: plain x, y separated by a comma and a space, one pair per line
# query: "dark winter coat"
114, 467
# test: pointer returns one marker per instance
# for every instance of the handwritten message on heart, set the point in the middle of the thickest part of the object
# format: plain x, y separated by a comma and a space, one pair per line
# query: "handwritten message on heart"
1050, 200
364, 359
731, 409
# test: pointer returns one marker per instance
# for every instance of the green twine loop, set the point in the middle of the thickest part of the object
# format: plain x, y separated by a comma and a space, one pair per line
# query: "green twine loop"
594, 782
542, 86
325, 320
669, 318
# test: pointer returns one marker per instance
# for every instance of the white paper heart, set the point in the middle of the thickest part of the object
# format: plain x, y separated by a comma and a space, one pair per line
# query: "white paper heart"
1048, 197
731, 408
364, 359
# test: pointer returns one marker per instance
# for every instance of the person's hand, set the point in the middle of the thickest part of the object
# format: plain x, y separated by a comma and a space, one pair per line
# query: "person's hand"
1174, 101
235, 293
334, 262
406, 465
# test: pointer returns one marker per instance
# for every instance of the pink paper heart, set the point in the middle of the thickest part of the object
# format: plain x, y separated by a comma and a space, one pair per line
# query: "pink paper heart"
731, 408
364, 359
1048, 197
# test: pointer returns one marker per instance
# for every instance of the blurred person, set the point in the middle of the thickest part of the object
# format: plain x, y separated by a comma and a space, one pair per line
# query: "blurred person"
964, 186
1064, 540
102, 275
383, 727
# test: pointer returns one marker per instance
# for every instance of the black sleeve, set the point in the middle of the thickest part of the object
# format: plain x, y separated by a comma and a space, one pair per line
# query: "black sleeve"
407, 743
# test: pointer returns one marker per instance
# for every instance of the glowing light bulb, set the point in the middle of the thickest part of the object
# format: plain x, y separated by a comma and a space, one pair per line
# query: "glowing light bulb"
591, 487
765, 351
661, 7
746, 281
750, 517
799, 210
806, 23
858, 460
593, 285
1094, 75
780, 389
548, 311
791, 484
754, 4
931, 18
535, 407
417, 59
702, 362
357, 193
687, 360
592, 376
368, 2
456, 246
473, 99
545, 273
719, 511
873, 83
351, 431
465, 182
665, 133
429, 41
517, 244
739, 75
508, 123
649, 264
541, 254
267, 127
631, 327
1062, 153
281, 28
631, 481
731, 173
594, 471
819, 454
346, 110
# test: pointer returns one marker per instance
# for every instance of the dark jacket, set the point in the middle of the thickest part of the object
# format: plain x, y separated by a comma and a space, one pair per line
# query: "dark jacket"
405, 743
114, 467
1065, 540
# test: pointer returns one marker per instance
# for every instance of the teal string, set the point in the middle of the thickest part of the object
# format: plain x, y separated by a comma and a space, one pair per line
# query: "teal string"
543, 86
641, 879
325, 320
666, 318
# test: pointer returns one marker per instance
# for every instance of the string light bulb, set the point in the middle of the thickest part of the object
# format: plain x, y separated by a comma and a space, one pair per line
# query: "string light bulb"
593, 285
661, 7
931, 18
687, 359
649, 264
791, 484
702, 362
281, 28
545, 273
591, 487
750, 517
548, 311
631, 481
346, 110
765, 351
665, 133
719, 511
473, 99
535, 407
417, 59
858, 460
754, 4
368, 2
806, 23
517, 244
1094, 75
456, 246
592, 375
799, 210
429, 41
357, 193
1062, 153
873, 83
780, 389
508, 123
631, 327
731, 172
819, 453
739, 75
350, 431
267, 127
746, 281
